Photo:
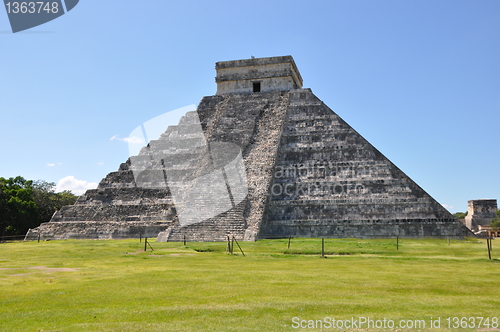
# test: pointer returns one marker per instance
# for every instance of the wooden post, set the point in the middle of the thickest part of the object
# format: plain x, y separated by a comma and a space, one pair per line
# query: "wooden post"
397, 242
238, 246
322, 247
184, 239
38, 237
488, 245
145, 243
232, 245
149, 244
289, 238
140, 237
228, 244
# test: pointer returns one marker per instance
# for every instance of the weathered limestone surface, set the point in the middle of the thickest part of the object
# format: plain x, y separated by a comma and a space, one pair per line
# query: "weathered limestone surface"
329, 181
480, 212
272, 74
308, 173
97, 230
254, 122
251, 121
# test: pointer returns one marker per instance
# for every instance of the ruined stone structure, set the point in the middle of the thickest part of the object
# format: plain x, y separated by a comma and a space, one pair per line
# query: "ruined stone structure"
480, 212
257, 75
308, 173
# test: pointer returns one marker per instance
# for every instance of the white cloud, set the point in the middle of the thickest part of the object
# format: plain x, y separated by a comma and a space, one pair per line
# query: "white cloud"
100, 163
52, 164
132, 139
78, 187
448, 207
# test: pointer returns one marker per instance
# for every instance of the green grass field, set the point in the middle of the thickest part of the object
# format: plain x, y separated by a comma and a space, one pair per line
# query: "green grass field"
86, 285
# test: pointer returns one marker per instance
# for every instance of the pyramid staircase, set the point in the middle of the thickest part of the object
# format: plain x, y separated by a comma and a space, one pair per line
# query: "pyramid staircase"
308, 174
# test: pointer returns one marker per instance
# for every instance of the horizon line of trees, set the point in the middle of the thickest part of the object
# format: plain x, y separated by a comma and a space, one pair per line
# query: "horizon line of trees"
25, 204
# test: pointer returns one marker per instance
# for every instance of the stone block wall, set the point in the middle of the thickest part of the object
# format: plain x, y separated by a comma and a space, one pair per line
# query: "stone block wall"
329, 181
254, 123
272, 74
480, 212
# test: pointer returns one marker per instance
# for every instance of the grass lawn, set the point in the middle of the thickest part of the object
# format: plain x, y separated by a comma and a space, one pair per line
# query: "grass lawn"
114, 285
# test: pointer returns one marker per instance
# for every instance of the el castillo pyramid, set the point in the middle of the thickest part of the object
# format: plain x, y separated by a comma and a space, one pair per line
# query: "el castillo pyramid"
263, 158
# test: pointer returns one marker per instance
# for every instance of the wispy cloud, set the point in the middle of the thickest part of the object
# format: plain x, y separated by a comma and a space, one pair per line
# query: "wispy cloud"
77, 187
132, 139
448, 207
53, 164
100, 163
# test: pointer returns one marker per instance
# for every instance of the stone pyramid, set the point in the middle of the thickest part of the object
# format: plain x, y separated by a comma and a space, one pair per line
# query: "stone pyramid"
263, 158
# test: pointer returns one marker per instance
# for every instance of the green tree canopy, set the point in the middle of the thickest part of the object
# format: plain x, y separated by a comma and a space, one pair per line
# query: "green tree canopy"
495, 223
42, 194
48, 201
18, 210
460, 215
25, 204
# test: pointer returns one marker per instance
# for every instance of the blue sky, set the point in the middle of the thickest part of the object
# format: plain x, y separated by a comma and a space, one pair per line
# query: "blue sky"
419, 79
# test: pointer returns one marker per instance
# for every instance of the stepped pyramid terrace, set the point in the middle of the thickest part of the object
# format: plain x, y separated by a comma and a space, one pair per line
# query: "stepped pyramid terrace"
262, 158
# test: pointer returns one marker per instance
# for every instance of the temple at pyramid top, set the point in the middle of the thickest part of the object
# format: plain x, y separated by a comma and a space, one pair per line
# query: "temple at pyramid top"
257, 75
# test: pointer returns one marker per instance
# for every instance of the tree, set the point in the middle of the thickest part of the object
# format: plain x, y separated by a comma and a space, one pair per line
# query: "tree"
3, 207
48, 201
18, 210
495, 223
460, 215
63, 198
43, 193
25, 204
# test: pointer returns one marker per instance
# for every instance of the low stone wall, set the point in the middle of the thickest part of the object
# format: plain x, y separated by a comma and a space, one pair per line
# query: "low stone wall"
365, 229
96, 230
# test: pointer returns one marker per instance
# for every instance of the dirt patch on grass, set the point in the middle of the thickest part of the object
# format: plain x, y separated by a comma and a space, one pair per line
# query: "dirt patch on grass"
135, 252
54, 269
41, 268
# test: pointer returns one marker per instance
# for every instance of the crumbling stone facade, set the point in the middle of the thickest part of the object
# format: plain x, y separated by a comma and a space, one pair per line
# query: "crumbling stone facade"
257, 75
308, 173
480, 212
